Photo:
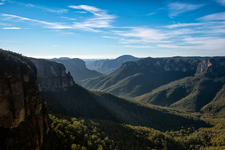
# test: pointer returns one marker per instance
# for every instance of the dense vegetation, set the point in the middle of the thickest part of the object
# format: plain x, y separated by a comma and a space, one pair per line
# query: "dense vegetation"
82, 134
79, 102
198, 93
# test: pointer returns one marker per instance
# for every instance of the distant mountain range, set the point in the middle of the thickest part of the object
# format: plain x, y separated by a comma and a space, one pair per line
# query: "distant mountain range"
140, 77
77, 68
106, 66
67, 98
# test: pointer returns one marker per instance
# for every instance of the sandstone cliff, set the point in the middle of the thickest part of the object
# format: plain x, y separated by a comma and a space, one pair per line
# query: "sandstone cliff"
213, 66
52, 76
23, 115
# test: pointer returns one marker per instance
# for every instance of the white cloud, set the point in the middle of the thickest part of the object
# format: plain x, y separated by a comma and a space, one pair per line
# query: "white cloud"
101, 18
222, 2
178, 8
151, 14
146, 35
86, 7
198, 43
48, 24
51, 25
171, 46
110, 37
13, 28
139, 46
59, 11
2, 3
213, 17
178, 25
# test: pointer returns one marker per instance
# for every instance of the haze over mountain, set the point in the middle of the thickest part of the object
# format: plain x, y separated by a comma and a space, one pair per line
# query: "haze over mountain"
77, 68
140, 77
106, 66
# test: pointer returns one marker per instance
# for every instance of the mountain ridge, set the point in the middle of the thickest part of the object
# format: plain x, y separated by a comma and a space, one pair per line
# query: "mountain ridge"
136, 78
106, 66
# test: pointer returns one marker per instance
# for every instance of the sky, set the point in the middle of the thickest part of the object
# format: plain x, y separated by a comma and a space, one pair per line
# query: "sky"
111, 28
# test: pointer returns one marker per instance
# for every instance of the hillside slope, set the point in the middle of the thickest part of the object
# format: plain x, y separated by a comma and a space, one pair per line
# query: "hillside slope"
76, 101
78, 69
140, 77
203, 92
106, 66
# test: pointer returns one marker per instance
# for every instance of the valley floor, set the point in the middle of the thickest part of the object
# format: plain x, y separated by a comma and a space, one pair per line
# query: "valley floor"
86, 134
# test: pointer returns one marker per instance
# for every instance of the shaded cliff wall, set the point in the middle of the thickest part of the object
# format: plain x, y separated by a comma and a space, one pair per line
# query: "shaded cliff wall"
23, 114
52, 76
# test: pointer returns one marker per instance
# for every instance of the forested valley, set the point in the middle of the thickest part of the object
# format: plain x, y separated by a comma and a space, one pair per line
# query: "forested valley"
43, 108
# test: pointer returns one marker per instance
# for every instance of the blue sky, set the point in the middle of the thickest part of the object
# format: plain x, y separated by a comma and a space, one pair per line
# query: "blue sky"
108, 29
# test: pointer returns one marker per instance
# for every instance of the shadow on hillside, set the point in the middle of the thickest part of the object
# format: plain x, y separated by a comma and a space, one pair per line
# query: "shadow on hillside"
135, 114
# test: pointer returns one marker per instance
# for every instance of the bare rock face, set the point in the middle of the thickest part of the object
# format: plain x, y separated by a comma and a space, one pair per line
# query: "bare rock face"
21, 106
52, 76
213, 66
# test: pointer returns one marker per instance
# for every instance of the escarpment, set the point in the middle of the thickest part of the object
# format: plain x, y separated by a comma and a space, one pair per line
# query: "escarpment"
214, 66
52, 76
23, 114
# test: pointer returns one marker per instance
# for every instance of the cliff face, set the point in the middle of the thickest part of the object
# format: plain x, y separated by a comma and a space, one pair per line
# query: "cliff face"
52, 76
213, 66
164, 64
21, 106
78, 69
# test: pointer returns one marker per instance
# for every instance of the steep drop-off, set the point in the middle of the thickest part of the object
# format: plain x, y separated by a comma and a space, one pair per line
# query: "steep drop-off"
78, 69
76, 101
23, 114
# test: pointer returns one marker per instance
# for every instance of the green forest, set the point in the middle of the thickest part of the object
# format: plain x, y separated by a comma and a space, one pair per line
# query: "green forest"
88, 134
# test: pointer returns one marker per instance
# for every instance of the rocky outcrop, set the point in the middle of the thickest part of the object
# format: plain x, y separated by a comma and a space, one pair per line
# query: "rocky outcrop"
77, 68
52, 76
213, 66
23, 114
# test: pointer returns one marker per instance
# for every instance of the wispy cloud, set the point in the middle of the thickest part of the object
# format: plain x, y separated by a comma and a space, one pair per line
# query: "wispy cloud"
47, 24
138, 46
178, 25
141, 34
213, 17
59, 11
101, 18
150, 14
198, 43
178, 8
222, 2
11, 28
110, 37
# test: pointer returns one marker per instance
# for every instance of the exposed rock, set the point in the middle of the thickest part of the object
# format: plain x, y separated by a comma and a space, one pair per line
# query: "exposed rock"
52, 76
77, 68
213, 66
21, 105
